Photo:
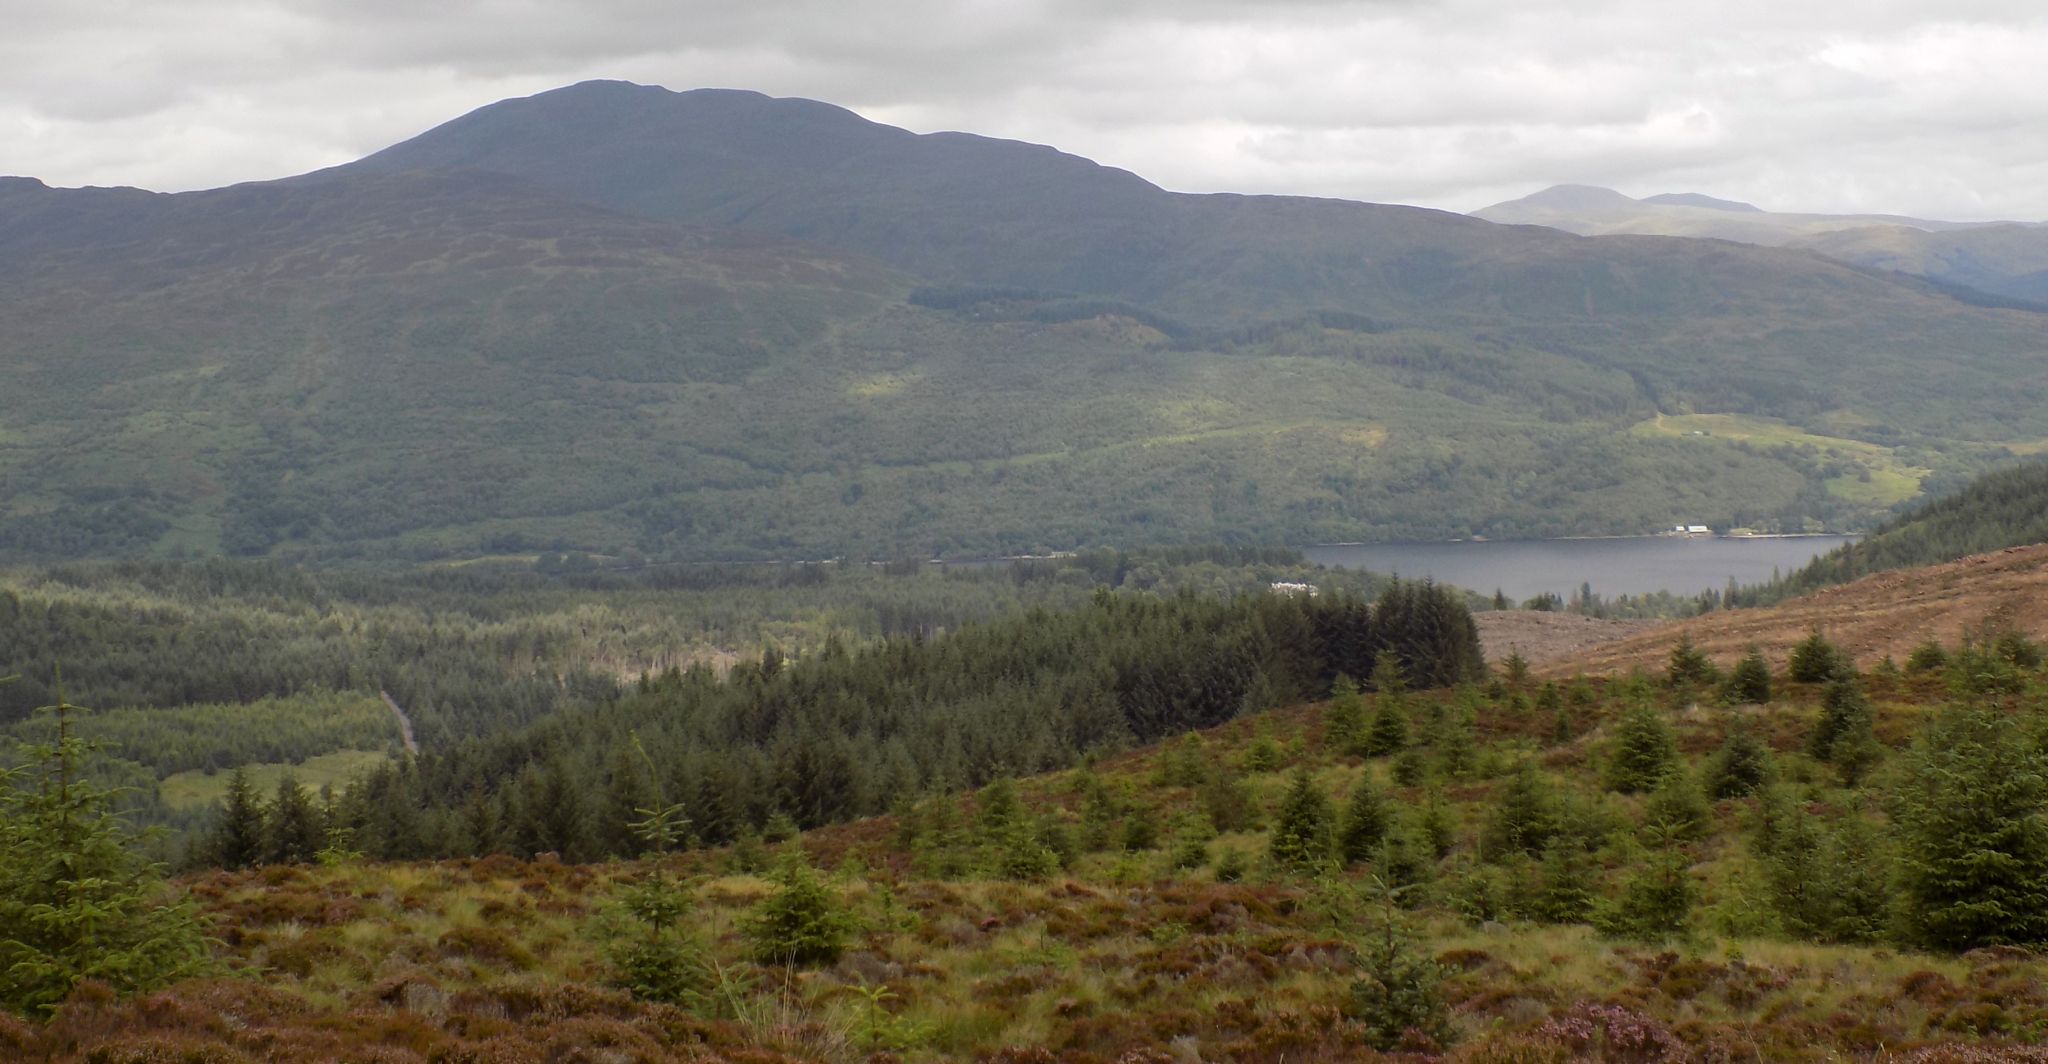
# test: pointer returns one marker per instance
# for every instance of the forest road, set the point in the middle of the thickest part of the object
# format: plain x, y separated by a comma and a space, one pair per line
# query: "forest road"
404, 724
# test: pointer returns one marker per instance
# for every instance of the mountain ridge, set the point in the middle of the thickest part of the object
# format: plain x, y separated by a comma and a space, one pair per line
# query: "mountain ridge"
2002, 258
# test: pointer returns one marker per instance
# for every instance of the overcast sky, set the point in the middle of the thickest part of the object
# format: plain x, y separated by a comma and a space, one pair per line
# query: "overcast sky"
1865, 105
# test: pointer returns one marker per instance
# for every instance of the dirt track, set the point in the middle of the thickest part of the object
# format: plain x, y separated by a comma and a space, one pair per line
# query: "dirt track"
1887, 613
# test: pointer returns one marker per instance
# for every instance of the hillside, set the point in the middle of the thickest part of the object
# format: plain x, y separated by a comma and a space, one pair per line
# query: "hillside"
638, 323
1888, 614
2003, 259
2002, 509
1604, 870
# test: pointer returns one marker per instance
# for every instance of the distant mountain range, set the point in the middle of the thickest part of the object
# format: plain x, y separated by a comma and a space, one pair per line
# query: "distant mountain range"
630, 321
2007, 259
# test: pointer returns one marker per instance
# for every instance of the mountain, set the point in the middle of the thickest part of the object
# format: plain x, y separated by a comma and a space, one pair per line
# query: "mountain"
2004, 259
1592, 211
1695, 199
631, 321
961, 209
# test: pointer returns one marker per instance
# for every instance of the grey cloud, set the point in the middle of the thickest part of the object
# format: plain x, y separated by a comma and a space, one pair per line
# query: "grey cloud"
1875, 105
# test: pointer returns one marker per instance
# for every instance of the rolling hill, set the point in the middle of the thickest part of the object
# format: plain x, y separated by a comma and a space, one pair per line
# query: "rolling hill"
637, 322
2008, 260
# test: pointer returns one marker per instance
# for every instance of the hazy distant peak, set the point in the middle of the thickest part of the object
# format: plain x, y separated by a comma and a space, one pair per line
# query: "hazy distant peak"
1576, 197
1696, 199
21, 184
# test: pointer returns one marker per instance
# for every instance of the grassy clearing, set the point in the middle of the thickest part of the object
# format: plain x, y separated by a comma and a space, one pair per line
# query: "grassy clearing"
1877, 479
198, 789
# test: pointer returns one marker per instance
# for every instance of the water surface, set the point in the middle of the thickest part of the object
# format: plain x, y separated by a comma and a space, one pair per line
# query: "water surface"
1526, 568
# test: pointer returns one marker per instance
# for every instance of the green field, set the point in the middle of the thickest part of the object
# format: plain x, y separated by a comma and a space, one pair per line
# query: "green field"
1875, 475
199, 789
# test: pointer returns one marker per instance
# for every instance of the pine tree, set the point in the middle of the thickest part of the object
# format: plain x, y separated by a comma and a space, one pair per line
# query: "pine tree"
1020, 854
1677, 807
1564, 893
800, 925
1191, 833
1815, 660
1400, 987
1525, 815
1644, 750
997, 807
1750, 683
1845, 715
1826, 883
1227, 801
1366, 819
237, 840
77, 901
1389, 731
628, 791
1741, 766
1972, 834
295, 832
1656, 901
1689, 668
1302, 831
1344, 717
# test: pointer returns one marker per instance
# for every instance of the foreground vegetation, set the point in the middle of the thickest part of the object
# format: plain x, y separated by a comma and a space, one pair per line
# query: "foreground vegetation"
1716, 860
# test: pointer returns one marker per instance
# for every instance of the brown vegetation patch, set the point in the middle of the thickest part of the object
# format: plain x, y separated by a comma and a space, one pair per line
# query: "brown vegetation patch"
1885, 614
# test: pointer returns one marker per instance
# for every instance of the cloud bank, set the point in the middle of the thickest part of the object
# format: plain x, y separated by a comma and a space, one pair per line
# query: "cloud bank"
1873, 105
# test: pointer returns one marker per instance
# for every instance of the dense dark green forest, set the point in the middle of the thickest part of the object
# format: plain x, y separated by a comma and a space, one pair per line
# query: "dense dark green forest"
194, 669
847, 732
2002, 508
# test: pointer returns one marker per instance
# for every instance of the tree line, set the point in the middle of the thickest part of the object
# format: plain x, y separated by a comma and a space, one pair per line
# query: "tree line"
844, 732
